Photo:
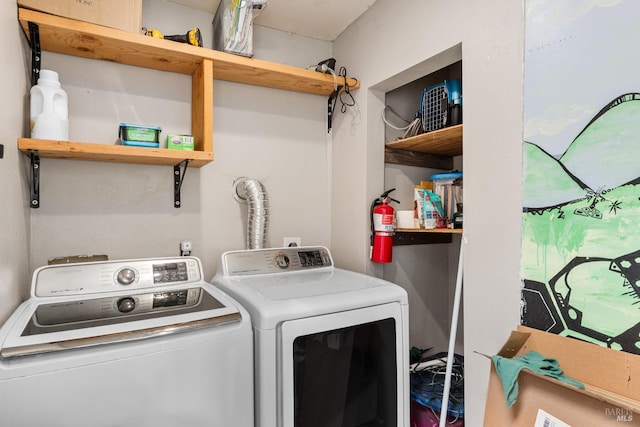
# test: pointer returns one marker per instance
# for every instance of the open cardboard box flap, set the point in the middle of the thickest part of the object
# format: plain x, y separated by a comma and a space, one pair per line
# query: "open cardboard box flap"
611, 379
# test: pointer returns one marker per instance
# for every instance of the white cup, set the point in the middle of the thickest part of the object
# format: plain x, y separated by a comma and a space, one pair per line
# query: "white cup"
405, 219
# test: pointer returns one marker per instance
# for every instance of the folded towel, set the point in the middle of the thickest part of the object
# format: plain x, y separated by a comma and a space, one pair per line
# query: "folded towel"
509, 368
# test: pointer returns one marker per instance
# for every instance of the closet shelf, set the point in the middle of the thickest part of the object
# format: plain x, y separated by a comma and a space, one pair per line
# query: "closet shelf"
430, 231
412, 236
445, 142
434, 149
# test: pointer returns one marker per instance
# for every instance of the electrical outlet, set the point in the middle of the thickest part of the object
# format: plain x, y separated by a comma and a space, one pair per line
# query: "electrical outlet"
291, 241
185, 247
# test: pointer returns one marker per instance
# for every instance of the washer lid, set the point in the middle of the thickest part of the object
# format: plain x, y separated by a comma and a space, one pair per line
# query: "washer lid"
52, 324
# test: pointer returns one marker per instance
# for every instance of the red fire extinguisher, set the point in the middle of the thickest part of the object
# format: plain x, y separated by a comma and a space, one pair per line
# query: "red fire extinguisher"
382, 228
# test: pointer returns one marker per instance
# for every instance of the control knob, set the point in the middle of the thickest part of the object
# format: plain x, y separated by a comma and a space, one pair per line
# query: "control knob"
126, 276
126, 304
282, 261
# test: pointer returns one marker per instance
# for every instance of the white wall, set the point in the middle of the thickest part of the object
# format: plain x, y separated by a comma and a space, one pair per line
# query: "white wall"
14, 193
127, 211
399, 35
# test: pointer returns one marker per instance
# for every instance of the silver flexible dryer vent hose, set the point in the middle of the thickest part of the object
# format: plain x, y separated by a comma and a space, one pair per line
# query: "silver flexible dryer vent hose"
255, 195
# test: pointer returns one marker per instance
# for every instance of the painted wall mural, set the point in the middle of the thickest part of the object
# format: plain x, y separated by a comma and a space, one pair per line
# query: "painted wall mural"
581, 183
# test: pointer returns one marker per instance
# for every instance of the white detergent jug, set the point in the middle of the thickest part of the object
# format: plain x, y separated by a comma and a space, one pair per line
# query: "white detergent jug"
49, 108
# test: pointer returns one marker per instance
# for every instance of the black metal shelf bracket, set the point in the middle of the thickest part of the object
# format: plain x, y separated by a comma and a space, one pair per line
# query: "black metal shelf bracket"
36, 52
35, 179
178, 178
331, 104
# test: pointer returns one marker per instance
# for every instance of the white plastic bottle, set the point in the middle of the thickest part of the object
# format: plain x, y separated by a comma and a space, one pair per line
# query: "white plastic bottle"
49, 108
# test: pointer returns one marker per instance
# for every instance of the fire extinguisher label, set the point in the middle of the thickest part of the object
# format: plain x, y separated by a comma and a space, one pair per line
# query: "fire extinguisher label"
382, 222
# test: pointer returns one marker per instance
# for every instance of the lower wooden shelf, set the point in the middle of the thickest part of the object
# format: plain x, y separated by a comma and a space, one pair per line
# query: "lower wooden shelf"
113, 153
413, 236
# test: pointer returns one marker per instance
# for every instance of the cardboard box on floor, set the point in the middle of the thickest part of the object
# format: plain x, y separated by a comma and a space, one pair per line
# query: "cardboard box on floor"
122, 14
612, 385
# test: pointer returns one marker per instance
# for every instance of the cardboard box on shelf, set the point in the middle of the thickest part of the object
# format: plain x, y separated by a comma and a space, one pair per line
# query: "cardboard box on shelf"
122, 14
180, 142
611, 378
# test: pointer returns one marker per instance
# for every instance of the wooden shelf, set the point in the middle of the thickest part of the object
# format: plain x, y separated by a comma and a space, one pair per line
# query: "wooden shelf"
434, 149
83, 39
71, 37
113, 153
413, 236
430, 231
446, 142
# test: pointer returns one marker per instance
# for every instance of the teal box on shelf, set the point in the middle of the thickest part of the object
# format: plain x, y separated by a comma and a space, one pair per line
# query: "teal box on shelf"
139, 135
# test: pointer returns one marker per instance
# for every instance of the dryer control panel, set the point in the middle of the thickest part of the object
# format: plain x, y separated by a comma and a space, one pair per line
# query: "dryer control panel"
276, 260
114, 276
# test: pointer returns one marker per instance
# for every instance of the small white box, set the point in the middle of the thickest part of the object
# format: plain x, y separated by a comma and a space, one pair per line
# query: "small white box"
406, 219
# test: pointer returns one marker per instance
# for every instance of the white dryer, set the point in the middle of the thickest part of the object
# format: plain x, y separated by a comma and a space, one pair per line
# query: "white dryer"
331, 346
142, 342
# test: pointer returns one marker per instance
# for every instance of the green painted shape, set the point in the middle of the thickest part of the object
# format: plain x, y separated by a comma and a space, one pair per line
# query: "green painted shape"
545, 182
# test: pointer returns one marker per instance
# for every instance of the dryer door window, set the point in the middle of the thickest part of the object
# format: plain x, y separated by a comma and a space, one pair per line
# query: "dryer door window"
349, 376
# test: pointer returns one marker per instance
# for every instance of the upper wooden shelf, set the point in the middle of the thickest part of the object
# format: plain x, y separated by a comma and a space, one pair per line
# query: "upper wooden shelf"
71, 37
445, 142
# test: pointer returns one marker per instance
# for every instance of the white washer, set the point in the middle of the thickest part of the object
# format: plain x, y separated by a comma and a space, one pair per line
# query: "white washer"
331, 346
142, 342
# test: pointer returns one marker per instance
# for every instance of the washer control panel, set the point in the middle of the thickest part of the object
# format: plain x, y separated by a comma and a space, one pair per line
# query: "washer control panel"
170, 272
114, 276
276, 260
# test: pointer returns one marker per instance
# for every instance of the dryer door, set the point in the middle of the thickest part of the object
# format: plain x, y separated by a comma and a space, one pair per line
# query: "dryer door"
344, 369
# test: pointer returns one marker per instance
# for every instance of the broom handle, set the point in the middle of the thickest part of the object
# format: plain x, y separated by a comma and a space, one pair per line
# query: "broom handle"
452, 340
